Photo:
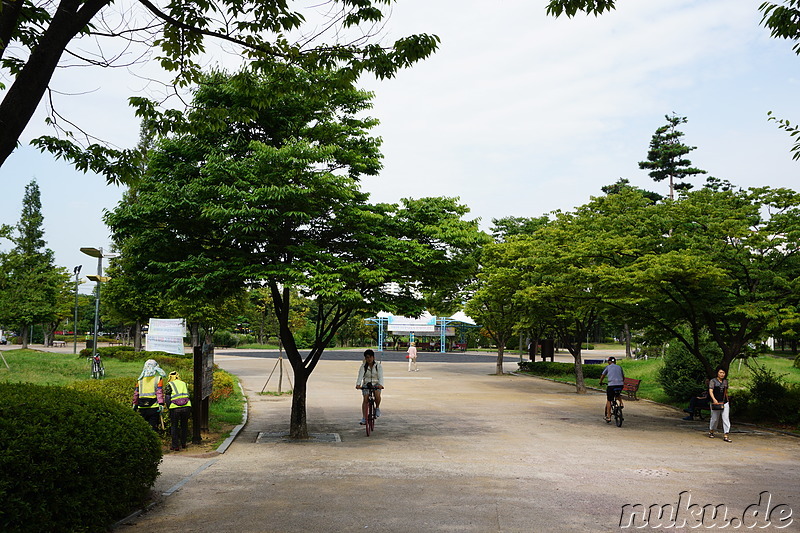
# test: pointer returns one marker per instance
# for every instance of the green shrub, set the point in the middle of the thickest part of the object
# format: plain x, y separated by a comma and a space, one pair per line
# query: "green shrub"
71, 461
788, 407
546, 368
767, 389
593, 371
118, 389
223, 385
683, 374
741, 404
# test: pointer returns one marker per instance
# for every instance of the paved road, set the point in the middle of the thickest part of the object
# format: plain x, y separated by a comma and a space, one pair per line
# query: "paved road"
459, 449
391, 356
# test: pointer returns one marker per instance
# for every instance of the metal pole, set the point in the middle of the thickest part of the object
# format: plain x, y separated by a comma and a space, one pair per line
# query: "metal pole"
77, 271
97, 302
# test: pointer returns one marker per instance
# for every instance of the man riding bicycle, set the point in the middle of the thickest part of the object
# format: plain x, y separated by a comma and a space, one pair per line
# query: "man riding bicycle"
616, 380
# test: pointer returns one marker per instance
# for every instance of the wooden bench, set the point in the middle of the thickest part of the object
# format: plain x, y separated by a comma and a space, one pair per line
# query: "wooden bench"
59, 344
700, 405
630, 386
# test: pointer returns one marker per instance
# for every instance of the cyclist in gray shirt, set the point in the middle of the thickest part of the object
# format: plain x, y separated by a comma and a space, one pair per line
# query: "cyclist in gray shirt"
616, 380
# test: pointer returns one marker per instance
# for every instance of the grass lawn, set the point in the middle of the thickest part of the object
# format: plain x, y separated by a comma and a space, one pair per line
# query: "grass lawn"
58, 369
739, 376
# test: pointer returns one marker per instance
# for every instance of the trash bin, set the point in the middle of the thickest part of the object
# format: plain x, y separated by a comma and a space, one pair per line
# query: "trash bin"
90, 343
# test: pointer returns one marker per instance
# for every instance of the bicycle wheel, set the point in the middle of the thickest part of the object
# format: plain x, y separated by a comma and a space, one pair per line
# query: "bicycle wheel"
95, 370
618, 416
370, 416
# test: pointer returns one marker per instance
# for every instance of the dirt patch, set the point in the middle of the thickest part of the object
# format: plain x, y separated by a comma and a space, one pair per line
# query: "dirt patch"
210, 441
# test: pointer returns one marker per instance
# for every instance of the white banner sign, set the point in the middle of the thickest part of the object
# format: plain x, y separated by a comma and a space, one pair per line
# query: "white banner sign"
165, 335
167, 327
156, 343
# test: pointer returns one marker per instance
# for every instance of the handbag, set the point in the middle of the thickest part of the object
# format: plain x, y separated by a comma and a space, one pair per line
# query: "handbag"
717, 406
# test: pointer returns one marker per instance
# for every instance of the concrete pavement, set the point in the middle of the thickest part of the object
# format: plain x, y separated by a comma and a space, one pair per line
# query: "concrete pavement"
459, 449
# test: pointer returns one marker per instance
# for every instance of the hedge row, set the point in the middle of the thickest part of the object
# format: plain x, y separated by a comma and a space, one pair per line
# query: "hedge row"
72, 460
546, 368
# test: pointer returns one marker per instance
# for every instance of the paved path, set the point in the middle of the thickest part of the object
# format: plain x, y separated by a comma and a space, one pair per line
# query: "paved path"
461, 450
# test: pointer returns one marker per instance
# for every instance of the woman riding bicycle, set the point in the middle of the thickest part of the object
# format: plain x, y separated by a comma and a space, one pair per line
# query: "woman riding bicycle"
370, 374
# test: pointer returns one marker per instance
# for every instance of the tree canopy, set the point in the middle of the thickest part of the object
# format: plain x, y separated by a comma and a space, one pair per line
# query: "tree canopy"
37, 38
31, 286
259, 186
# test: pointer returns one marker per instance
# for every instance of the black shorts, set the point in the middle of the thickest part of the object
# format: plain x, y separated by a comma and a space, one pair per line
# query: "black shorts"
612, 391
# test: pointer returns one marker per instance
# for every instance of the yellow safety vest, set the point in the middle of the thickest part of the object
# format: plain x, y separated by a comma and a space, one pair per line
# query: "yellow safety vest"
147, 392
180, 394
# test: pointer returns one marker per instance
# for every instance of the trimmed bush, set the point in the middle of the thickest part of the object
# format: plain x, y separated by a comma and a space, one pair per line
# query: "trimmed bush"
546, 368
118, 389
223, 385
71, 461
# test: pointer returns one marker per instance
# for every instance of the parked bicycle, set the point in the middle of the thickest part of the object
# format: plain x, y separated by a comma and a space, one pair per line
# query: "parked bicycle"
98, 371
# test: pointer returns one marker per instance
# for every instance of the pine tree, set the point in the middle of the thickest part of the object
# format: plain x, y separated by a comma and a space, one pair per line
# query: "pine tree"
666, 160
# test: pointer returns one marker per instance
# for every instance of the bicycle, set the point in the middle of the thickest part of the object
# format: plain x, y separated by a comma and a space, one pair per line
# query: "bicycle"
370, 421
616, 411
98, 371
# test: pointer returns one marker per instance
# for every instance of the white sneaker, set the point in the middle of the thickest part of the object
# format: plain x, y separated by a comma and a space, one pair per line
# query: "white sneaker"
377, 412
363, 421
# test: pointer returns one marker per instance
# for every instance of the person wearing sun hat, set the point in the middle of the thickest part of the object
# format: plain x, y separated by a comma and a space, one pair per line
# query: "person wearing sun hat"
180, 408
148, 396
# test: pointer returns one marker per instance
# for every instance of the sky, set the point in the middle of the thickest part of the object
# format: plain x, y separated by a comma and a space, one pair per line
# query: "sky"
517, 113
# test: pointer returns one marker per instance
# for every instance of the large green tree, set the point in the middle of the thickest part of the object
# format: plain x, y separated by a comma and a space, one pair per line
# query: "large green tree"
722, 263
259, 186
492, 300
35, 37
557, 287
493, 303
31, 287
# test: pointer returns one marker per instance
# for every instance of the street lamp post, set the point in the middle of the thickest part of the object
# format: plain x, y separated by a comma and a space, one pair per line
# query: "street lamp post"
77, 271
98, 253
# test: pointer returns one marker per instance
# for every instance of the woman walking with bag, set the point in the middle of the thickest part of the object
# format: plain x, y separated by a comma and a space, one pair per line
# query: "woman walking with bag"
718, 393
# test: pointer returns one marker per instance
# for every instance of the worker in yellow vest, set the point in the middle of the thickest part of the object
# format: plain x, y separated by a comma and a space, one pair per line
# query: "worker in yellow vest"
148, 396
180, 408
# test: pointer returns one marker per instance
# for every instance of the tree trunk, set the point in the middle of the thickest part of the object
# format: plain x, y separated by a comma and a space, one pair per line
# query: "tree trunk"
194, 330
501, 347
627, 333
137, 336
575, 350
24, 333
298, 428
